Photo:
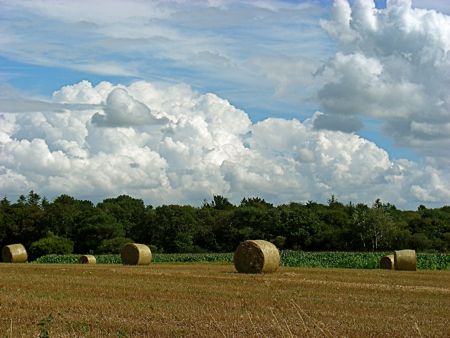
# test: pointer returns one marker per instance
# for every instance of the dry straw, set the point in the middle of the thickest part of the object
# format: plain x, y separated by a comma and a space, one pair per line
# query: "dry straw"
405, 260
88, 259
387, 262
136, 254
256, 256
14, 253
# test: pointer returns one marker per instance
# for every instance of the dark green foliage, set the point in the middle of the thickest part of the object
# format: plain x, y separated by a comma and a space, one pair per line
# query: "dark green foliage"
94, 229
256, 220
65, 213
279, 241
219, 226
127, 211
113, 245
172, 228
420, 241
50, 245
221, 203
23, 221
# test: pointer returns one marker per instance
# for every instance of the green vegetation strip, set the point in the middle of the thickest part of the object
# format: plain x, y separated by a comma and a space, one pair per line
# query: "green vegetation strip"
157, 258
351, 260
357, 260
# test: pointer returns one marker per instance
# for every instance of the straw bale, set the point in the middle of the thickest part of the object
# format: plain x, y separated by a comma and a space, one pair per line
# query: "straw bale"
256, 256
387, 262
88, 259
136, 254
14, 253
405, 260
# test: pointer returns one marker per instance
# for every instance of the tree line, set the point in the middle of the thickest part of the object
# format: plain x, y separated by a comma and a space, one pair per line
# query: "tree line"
68, 225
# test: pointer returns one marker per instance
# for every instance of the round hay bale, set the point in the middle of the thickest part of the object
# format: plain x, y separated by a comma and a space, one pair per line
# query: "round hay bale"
405, 260
136, 254
14, 253
256, 256
88, 259
387, 262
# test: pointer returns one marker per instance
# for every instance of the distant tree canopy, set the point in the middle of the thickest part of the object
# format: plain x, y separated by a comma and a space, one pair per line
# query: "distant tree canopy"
68, 224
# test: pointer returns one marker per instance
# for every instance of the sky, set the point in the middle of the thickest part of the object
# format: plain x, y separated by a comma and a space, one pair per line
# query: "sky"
176, 101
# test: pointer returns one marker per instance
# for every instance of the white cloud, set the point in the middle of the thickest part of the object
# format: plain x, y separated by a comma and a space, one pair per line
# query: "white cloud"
339, 26
122, 110
394, 66
359, 85
82, 92
204, 146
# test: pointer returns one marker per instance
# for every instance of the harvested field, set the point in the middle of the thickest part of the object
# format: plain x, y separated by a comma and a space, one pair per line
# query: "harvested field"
212, 300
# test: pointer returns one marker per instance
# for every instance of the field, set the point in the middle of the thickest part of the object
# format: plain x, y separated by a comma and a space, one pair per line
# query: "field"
211, 300
289, 258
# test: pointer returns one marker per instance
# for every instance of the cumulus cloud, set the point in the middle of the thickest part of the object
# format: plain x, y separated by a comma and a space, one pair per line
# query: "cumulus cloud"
394, 66
170, 144
167, 143
123, 110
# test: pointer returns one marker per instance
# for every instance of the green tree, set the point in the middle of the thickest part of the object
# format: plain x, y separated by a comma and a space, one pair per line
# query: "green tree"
220, 233
419, 241
94, 229
25, 219
374, 226
256, 219
172, 228
113, 245
6, 221
220, 203
335, 232
126, 210
205, 237
65, 214
301, 225
255, 202
50, 245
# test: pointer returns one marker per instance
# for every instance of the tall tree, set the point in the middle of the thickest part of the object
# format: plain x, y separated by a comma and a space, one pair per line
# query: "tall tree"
172, 228
95, 228
126, 210
65, 214
374, 226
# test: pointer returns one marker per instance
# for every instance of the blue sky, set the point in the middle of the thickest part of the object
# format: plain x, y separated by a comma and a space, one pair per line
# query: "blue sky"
355, 67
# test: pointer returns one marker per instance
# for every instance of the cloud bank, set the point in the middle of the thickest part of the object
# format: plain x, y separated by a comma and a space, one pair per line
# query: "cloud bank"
170, 144
393, 66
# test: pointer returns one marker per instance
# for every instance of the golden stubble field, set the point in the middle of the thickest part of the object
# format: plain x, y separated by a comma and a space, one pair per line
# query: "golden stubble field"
210, 300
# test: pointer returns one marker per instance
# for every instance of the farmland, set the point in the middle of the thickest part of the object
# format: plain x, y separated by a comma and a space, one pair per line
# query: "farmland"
289, 258
211, 300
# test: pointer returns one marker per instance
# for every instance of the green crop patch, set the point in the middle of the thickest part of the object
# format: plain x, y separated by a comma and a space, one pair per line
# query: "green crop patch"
289, 258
